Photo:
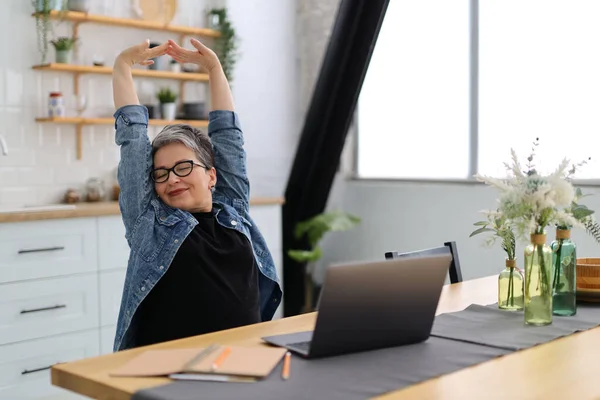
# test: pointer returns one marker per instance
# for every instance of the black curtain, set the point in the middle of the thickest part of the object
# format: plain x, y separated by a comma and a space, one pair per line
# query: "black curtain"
325, 128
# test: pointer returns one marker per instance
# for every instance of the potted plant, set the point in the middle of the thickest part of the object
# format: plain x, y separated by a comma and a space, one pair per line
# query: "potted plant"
64, 49
167, 98
313, 230
225, 45
43, 24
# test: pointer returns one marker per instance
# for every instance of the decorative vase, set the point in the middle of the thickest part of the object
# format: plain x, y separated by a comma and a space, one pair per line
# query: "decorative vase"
168, 111
564, 261
538, 281
64, 56
510, 287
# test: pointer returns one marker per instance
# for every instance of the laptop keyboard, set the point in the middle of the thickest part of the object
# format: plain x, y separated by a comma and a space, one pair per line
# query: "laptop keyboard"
302, 346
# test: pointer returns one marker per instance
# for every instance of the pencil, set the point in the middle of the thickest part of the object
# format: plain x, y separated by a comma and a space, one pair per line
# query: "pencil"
285, 373
217, 363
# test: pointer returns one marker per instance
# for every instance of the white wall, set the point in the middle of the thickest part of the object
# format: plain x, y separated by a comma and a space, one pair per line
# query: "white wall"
41, 164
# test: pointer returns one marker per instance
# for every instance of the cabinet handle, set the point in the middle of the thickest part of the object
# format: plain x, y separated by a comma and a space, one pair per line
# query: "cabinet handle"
44, 308
42, 249
31, 371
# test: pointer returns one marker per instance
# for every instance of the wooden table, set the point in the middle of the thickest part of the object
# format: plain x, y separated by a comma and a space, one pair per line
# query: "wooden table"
562, 369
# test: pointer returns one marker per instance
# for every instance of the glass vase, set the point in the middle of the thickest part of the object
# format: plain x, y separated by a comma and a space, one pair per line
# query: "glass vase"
538, 281
510, 287
564, 261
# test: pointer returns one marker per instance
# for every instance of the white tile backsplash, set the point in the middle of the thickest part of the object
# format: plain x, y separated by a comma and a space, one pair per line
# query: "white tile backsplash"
41, 164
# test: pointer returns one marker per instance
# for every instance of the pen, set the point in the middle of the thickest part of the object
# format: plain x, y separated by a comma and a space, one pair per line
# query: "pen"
221, 358
285, 373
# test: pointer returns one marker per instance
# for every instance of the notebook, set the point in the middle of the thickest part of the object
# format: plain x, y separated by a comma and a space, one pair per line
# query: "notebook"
253, 362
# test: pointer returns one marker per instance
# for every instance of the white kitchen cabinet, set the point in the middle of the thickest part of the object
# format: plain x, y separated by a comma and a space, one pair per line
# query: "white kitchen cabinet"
25, 366
113, 251
111, 291
61, 282
107, 338
39, 249
45, 307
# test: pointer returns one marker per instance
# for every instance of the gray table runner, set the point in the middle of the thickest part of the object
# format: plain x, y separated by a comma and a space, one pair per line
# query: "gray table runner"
489, 326
353, 376
461, 339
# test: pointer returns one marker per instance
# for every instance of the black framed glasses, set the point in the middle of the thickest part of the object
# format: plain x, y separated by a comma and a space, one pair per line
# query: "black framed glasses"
181, 169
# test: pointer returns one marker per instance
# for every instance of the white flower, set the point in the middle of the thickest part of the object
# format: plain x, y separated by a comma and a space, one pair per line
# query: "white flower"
562, 191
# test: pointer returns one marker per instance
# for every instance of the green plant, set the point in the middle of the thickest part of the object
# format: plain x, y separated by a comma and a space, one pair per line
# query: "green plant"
583, 215
226, 45
314, 229
502, 230
43, 25
166, 95
64, 43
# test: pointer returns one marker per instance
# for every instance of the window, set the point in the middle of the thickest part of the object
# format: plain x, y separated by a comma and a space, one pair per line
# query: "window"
538, 76
413, 110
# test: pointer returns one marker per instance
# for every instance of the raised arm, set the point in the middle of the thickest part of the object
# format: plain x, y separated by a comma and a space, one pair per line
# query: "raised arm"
131, 123
224, 126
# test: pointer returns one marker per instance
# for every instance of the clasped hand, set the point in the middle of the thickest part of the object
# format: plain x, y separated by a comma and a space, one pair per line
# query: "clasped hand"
142, 54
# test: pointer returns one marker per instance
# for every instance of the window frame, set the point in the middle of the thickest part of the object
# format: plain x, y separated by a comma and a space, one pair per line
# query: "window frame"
351, 171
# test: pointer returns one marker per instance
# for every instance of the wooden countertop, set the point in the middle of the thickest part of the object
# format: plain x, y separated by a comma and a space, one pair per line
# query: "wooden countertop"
98, 209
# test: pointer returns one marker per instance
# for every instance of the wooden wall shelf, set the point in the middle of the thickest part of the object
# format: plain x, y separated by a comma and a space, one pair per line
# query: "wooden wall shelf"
79, 17
200, 123
146, 73
79, 122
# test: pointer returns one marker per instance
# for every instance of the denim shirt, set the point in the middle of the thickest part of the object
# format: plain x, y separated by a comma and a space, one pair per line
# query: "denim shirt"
154, 230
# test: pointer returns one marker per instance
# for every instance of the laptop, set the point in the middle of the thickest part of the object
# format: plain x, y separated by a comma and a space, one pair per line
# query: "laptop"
373, 305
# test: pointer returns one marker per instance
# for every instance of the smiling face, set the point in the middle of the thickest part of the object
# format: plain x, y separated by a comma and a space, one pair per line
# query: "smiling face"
190, 193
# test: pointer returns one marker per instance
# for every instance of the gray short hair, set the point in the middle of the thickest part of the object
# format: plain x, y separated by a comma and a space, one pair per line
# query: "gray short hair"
192, 138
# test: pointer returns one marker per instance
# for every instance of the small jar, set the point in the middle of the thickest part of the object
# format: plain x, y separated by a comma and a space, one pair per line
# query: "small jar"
56, 105
95, 189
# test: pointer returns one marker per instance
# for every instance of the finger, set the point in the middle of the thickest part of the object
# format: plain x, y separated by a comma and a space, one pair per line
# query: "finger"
177, 50
174, 44
145, 44
147, 62
198, 45
181, 59
183, 53
158, 50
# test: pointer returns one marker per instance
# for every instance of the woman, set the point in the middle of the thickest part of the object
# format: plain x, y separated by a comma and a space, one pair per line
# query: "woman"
198, 263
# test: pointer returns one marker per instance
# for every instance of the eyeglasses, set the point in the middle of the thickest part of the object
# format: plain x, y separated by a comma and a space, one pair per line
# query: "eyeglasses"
181, 169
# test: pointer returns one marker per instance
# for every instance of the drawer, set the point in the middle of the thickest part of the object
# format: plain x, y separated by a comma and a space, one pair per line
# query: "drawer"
111, 291
113, 250
36, 309
107, 339
24, 366
39, 249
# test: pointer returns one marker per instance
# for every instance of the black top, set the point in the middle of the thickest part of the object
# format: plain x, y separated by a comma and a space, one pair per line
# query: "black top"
211, 285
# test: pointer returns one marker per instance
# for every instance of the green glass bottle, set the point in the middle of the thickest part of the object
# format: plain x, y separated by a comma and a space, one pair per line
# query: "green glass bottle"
510, 287
564, 261
538, 281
